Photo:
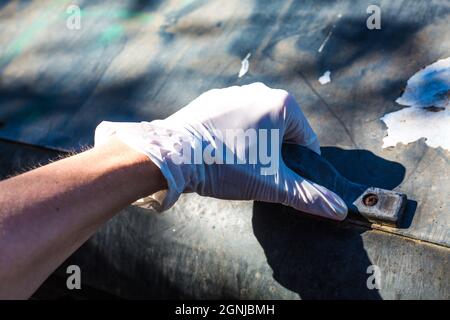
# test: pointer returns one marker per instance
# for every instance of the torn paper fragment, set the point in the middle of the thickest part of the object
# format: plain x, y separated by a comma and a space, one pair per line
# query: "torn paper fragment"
411, 124
427, 96
244, 66
429, 87
325, 78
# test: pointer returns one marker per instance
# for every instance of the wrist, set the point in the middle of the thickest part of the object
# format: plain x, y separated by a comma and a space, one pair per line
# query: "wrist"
141, 176
154, 144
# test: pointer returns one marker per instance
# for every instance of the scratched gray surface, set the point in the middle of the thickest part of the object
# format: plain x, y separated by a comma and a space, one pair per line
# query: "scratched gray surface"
239, 250
135, 60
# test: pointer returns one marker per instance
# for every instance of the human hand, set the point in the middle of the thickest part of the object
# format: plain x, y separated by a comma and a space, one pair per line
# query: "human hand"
227, 144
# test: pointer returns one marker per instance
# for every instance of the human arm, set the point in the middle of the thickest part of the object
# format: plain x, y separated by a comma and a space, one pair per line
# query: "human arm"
47, 213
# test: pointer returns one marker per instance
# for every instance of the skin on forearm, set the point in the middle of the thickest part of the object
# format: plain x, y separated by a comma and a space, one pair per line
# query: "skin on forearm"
49, 212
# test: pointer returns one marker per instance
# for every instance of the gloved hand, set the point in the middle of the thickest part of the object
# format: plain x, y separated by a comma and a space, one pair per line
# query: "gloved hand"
227, 144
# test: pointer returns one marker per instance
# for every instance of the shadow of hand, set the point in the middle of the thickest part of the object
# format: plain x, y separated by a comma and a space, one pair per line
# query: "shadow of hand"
321, 259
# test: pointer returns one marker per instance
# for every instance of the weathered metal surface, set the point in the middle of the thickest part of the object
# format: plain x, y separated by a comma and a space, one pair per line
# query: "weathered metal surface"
263, 252
135, 60
231, 249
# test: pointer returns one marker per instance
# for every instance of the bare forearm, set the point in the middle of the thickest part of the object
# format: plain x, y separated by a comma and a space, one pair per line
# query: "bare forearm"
47, 213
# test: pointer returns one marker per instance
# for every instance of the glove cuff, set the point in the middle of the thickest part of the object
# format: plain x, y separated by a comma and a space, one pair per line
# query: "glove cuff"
162, 146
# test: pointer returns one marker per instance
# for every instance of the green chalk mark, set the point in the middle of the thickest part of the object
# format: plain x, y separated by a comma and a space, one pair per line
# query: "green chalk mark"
111, 34
26, 37
145, 18
114, 14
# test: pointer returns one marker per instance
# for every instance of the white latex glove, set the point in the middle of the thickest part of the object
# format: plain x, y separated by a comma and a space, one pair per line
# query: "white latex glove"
204, 124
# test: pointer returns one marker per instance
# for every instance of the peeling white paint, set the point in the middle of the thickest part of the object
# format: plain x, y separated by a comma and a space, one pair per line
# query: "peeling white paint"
427, 96
411, 124
428, 87
325, 78
244, 66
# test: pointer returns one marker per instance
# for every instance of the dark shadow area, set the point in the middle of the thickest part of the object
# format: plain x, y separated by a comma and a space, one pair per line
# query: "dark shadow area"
317, 258
362, 170
119, 279
55, 288
364, 167
19, 3
139, 6
350, 41
55, 109
16, 158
